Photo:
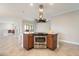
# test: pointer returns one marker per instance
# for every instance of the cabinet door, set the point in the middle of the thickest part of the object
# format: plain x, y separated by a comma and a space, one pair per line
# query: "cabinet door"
30, 41
25, 41
49, 41
52, 41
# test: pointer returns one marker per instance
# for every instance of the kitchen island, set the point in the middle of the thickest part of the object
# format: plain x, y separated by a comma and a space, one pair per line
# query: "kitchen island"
40, 40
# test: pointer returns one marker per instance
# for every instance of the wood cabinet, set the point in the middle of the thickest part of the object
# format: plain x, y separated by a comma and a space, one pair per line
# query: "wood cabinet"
28, 41
52, 41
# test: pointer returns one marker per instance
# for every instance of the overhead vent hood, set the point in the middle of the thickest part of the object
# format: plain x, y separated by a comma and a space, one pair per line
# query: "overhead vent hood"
41, 19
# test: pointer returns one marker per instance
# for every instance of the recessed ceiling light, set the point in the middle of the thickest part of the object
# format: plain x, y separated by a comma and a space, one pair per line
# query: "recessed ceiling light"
51, 4
31, 4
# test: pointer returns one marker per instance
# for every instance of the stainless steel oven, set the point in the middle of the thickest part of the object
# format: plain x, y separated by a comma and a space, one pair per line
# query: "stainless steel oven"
40, 41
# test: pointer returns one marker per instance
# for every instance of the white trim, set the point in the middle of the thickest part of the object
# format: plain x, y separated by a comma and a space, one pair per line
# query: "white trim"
75, 43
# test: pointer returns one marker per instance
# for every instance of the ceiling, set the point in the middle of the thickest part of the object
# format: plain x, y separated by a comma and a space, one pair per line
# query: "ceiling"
27, 12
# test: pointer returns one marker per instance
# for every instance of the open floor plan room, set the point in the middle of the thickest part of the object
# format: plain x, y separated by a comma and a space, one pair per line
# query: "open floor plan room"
39, 29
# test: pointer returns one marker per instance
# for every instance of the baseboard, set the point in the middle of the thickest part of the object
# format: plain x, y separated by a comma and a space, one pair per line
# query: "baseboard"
75, 43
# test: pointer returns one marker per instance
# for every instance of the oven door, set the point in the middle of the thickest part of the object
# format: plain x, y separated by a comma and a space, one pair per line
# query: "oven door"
40, 42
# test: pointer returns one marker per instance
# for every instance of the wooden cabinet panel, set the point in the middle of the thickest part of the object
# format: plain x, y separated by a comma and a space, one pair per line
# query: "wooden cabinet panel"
55, 41
28, 41
25, 41
52, 41
49, 41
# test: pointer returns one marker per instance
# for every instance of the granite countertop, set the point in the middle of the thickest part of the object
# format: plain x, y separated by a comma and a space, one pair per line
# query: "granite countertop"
38, 33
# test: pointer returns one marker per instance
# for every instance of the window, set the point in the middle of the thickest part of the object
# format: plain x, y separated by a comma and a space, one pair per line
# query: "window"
28, 27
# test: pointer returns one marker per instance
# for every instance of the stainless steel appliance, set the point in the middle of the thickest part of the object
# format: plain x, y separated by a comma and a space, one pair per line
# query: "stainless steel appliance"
40, 42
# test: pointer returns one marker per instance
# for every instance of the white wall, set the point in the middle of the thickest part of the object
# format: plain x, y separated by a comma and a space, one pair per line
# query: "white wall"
67, 25
43, 27
6, 23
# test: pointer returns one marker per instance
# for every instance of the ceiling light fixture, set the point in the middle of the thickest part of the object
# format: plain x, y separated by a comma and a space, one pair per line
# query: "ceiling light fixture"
31, 4
41, 10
